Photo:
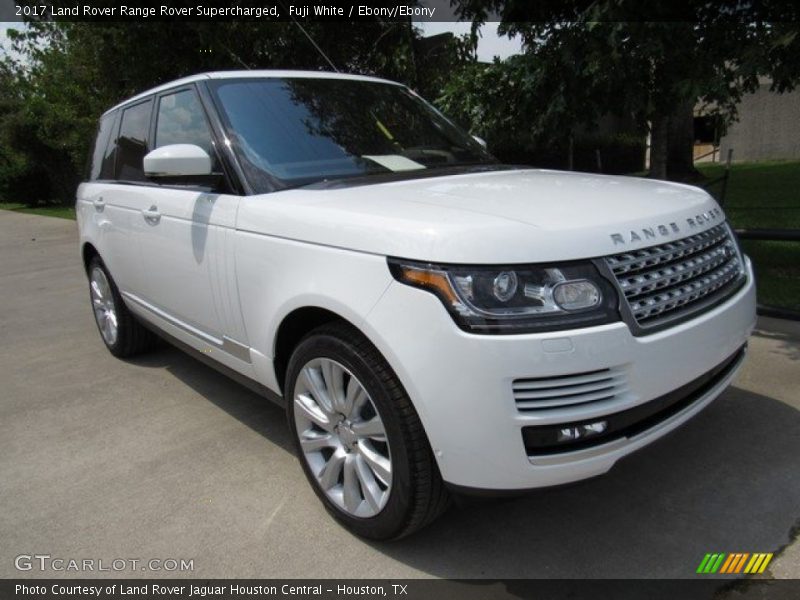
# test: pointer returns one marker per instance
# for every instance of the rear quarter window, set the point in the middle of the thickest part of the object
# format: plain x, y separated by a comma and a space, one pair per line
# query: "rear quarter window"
101, 164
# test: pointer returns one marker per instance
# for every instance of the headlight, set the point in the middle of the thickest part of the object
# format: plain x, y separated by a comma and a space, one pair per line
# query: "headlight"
516, 299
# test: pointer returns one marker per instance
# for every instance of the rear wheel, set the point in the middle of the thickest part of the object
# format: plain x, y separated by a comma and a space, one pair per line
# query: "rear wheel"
122, 334
358, 437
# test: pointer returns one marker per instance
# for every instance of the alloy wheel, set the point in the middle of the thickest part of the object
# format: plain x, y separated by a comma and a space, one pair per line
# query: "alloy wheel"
105, 312
342, 437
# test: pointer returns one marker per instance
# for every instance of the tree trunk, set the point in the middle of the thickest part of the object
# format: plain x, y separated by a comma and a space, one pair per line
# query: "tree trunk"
658, 147
680, 144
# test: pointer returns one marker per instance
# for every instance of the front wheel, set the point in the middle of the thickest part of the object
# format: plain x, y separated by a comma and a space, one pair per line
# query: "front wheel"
359, 439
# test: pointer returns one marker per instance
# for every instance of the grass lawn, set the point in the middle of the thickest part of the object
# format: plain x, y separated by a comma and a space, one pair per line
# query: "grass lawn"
767, 195
764, 194
777, 266
62, 212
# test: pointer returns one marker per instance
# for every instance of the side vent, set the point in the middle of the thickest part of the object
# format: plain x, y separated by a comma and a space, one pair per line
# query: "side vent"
545, 393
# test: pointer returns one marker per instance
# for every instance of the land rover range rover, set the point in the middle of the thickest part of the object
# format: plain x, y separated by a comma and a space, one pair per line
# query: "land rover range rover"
431, 320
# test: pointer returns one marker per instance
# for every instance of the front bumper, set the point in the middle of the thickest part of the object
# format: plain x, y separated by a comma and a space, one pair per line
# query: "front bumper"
462, 384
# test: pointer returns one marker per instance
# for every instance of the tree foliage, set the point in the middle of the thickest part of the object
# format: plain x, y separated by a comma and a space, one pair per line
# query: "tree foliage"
61, 76
603, 57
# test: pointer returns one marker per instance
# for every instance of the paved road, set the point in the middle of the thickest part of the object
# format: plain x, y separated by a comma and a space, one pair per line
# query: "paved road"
161, 457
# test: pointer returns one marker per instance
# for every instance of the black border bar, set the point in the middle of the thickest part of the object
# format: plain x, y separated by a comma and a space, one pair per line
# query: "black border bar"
402, 10
694, 588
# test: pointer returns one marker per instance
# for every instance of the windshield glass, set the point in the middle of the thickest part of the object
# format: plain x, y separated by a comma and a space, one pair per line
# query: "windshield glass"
291, 132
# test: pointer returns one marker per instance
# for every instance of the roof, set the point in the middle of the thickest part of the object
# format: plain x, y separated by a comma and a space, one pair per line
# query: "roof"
255, 74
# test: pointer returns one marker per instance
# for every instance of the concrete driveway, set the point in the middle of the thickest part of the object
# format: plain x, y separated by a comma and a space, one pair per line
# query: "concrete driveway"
161, 457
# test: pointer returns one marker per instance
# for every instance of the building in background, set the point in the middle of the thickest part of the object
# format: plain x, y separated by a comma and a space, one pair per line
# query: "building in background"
768, 128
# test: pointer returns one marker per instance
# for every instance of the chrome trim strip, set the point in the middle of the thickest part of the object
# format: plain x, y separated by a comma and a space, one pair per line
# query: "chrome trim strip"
226, 344
236, 349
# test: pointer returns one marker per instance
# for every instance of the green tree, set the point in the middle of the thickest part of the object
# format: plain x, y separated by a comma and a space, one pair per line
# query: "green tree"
614, 62
520, 108
27, 162
66, 74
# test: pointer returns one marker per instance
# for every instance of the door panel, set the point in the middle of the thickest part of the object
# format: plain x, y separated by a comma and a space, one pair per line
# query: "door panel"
109, 209
183, 254
182, 234
184, 243
116, 210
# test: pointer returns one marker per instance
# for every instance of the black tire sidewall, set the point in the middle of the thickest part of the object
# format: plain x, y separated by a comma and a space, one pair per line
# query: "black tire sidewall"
391, 521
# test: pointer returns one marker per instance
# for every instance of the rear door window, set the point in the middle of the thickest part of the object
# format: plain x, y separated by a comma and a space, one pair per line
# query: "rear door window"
132, 142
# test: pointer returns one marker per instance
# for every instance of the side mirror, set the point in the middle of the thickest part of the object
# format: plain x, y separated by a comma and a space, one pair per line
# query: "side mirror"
177, 160
480, 140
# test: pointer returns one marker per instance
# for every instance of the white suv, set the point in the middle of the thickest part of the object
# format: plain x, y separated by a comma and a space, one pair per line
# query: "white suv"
432, 320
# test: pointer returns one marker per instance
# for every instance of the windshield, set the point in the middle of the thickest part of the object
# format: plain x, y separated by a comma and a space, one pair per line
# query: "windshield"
292, 132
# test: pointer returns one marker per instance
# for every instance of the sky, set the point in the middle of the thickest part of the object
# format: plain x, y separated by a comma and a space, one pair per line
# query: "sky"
3, 27
5, 44
489, 43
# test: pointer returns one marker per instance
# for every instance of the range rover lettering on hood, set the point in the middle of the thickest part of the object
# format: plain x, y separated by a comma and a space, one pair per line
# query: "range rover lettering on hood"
667, 229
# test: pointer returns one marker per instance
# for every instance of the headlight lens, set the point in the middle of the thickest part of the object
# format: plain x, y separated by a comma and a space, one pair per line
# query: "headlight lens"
577, 295
516, 299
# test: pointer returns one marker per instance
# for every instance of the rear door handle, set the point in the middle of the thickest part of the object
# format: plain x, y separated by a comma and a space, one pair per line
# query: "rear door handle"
151, 215
99, 203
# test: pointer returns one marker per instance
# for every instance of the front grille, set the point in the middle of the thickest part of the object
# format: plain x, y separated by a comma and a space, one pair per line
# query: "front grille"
544, 393
670, 281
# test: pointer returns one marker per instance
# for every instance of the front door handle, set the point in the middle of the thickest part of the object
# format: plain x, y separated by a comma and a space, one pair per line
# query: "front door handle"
99, 203
151, 215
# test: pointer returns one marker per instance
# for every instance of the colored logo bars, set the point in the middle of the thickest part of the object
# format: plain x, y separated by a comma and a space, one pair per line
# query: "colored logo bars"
734, 563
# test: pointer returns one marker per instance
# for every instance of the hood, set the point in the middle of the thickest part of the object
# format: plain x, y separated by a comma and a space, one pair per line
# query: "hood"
495, 217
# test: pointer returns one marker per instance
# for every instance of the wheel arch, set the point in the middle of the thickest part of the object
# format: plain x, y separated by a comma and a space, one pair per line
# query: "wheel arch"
88, 252
301, 320
293, 328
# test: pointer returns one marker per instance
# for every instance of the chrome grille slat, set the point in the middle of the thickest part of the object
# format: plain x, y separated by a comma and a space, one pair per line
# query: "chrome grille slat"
623, 263
521, 385
669, 280
563, 392
549, 393
707, 262
687, 293
559, 402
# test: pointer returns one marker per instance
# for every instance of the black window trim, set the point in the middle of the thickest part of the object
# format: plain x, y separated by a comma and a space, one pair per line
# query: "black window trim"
228, 159
212, 100
230, 168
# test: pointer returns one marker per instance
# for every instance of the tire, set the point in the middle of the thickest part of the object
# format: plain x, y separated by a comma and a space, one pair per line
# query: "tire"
122, 334
347, 467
